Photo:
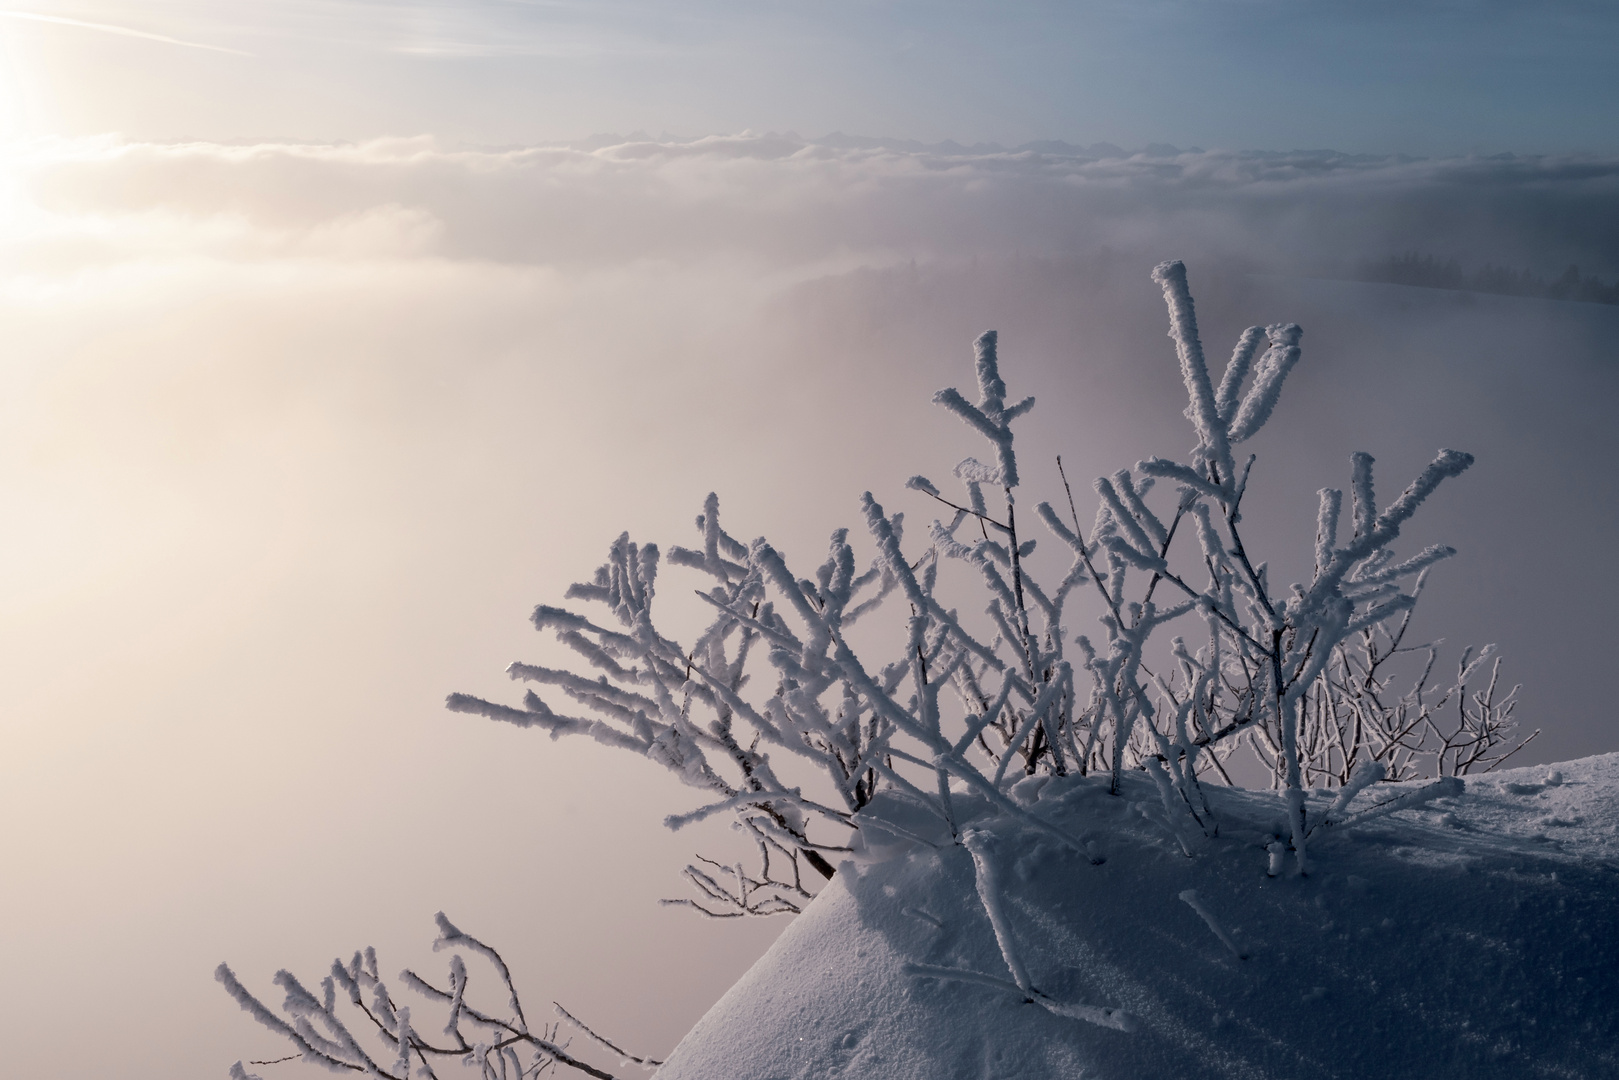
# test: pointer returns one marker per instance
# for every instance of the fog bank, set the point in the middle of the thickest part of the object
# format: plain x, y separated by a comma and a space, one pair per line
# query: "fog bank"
292, 437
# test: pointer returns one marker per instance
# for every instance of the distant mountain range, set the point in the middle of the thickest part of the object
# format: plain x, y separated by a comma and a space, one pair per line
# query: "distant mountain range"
1429, 272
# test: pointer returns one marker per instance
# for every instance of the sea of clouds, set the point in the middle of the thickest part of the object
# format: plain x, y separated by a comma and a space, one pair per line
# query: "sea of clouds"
787, 201
293, 436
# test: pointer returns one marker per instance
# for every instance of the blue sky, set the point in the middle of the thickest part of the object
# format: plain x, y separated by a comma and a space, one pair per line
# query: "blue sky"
1430, 77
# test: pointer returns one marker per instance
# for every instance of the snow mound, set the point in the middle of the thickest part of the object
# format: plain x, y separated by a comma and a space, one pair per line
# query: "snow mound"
1476, 936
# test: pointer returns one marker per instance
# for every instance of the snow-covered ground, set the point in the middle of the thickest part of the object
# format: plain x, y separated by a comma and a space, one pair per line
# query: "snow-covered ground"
1477, 936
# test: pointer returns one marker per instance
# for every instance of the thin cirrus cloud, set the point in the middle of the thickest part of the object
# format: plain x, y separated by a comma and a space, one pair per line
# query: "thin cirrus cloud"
449, 31
121, 31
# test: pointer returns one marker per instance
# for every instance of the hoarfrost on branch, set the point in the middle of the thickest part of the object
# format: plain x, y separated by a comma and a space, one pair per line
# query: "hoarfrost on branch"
784, 725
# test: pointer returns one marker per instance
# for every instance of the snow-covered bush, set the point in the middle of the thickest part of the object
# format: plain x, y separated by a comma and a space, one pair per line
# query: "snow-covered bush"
775, 714
966, 708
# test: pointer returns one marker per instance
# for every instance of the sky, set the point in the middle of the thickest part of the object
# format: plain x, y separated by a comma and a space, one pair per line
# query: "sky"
336, 336
1423, 77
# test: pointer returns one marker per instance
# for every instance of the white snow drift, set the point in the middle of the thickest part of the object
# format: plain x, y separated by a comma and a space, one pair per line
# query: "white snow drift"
1473, 937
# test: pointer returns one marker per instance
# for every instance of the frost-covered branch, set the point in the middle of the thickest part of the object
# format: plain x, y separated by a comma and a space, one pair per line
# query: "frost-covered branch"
782, 716
777, 889
778, 719
358, 1024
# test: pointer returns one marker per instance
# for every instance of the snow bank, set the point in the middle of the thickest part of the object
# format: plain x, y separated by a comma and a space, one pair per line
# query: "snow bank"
1475, 936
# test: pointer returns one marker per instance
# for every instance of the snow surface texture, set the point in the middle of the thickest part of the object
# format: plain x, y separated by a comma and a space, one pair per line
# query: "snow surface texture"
1476, 936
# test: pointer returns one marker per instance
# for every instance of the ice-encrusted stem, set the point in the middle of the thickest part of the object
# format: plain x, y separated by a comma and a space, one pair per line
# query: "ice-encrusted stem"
1190, 898
1439, 789
977, 843
1101, 1016
1366, 774
1174, 808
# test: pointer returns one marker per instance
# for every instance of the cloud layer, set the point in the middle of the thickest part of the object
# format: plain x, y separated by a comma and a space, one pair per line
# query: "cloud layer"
292, 437
790, 202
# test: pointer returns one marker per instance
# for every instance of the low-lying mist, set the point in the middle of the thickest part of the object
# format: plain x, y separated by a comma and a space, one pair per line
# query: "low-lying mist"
293, 437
